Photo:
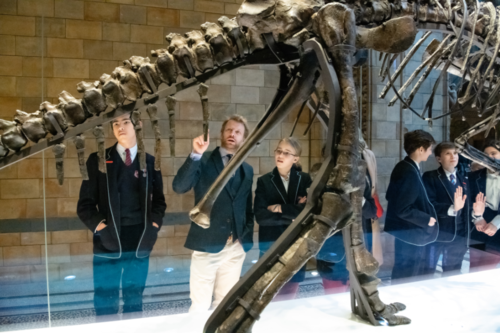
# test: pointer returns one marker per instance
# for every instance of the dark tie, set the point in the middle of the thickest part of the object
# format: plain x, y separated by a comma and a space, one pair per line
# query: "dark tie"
229, 156
128, 159
453, 179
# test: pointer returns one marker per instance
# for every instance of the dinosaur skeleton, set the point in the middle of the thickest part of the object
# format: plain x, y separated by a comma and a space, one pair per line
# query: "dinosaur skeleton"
314, 42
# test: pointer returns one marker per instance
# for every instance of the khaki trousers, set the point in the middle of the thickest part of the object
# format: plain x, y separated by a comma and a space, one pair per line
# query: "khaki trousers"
214, 274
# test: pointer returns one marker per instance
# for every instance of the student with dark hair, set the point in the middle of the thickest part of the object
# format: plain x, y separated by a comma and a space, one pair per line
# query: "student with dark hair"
124, 210
448, 192
410, 218
279, 198
485, 236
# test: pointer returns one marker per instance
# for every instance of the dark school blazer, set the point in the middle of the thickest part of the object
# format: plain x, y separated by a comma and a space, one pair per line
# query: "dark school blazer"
100, 199
477, 180
409, 208
271, 191
228, 207
441, 194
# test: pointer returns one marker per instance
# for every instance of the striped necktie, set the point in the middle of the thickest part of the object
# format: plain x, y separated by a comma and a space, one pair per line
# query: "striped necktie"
128, 159
453, 179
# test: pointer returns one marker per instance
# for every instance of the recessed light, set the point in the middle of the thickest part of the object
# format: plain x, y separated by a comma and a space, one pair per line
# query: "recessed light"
168, 269
70, 277
254, 261
314, 273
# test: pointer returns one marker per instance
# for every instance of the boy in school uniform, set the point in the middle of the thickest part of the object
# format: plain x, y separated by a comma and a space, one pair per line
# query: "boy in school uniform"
411, 218
486, 219
448, 192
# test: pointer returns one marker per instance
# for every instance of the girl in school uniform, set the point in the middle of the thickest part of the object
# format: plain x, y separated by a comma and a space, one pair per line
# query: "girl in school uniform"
279, 198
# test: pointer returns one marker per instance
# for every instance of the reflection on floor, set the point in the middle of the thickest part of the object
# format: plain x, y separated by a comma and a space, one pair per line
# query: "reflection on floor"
160, 300
78, 317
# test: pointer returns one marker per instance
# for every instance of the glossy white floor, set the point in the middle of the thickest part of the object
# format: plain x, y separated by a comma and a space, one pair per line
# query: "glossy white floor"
463, 303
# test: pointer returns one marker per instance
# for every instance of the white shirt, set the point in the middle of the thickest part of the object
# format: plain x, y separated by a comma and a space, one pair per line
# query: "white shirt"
493, 195
451, 210
223, 154
417, 164
121, 151
286, 181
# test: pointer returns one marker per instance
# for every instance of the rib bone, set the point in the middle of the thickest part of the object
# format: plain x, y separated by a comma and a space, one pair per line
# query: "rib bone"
58, 151
202, 91
170, 102
80, 150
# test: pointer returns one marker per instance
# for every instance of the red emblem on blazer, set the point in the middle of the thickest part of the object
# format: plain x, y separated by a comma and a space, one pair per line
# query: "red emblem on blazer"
136, 174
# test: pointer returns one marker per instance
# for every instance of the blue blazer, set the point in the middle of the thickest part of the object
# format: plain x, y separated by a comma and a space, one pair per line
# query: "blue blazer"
477, 181
409, 208
441, 194
228, 207
99, 200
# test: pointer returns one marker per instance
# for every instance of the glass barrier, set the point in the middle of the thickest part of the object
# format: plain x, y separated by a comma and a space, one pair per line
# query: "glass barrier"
65, 260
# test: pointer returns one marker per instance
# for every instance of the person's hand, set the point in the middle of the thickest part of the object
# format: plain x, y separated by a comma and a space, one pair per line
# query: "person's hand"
459, 201
156, 225
480, 204
199, 145
274, 208
101, 226
490, 229
480, 225
302, 199
432, 221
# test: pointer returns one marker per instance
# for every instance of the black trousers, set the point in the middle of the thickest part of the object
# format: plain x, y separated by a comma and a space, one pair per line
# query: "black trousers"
453, 255
409, 260
129, 271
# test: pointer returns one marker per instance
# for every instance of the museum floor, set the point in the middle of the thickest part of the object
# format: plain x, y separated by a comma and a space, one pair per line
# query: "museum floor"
461, 303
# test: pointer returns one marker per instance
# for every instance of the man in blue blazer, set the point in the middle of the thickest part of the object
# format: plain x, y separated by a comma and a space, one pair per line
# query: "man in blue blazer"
410, 218
219, 251
485, 235
448, 192
124, 208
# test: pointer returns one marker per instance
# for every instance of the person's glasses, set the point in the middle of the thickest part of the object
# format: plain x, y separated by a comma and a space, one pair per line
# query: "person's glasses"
278, 152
